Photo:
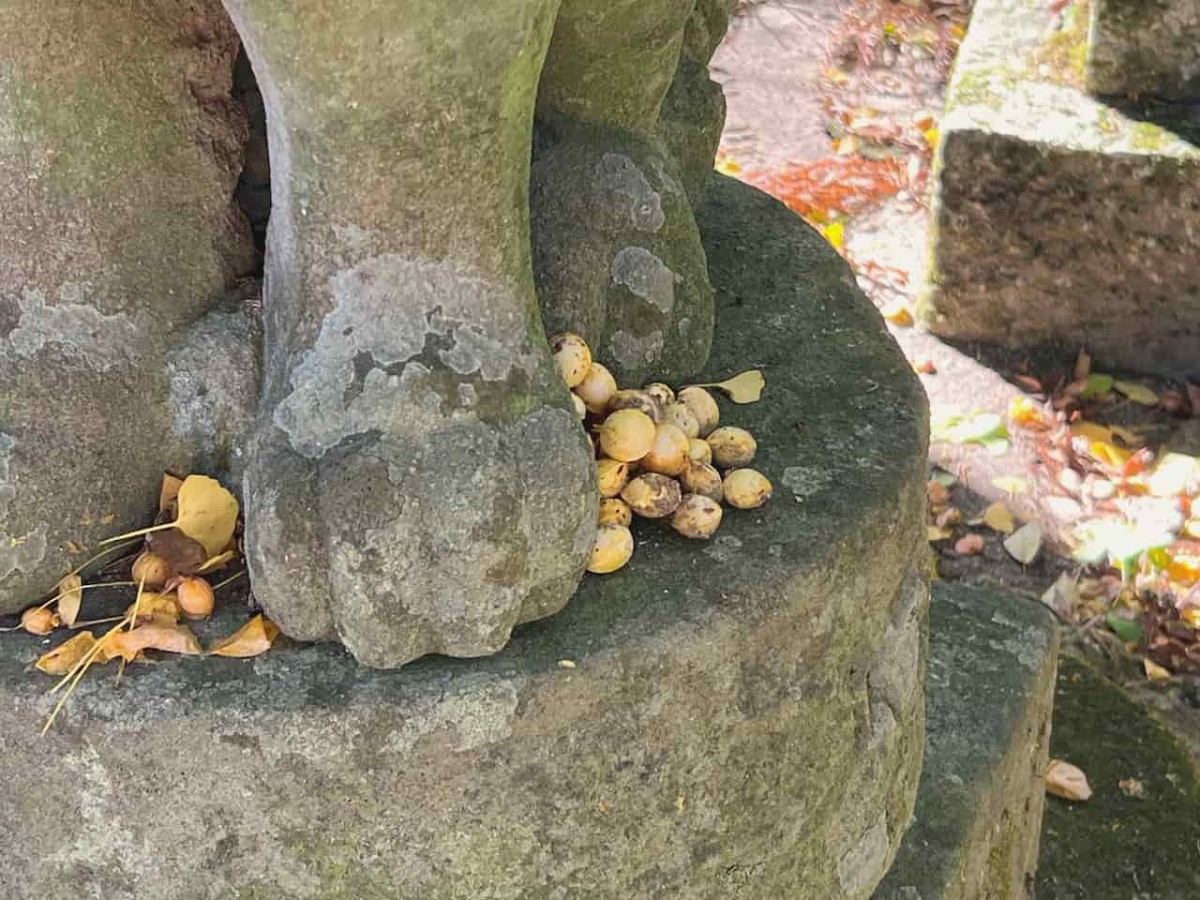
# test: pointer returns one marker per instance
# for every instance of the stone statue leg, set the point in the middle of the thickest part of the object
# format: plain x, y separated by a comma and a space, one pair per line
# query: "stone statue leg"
119, 152
418, 481
616, 250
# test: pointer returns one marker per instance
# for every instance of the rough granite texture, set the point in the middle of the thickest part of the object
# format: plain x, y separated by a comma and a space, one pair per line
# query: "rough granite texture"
417, 481
1058, 219
119, 232
693, 116
989, 693
1145, 47
743, 718
617, 254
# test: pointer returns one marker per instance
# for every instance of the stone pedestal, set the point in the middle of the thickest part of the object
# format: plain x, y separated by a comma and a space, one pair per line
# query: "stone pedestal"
1060, 219
742, 718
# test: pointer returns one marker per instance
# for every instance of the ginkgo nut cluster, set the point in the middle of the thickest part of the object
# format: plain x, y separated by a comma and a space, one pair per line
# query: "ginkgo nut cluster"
659, 453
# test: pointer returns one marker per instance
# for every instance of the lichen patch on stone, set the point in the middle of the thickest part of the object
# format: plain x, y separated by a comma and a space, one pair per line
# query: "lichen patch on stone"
646, 276
618, 174
385, 309
73, 327
635, 352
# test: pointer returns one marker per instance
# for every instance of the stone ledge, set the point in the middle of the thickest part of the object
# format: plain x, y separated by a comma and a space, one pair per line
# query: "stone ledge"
1058, 219
743, 720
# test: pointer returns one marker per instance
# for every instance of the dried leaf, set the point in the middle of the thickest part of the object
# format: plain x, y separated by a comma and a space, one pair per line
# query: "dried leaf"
899, 314
969, 545
1155, 672
1062, 596
1132, 787
938, 494
934, 534
185, 555
168, 492
217, 562
1025, 543
70, 597
207, 512
63, 658
74, 548
163, 636
1138, 393
152, 607
1011, 484
1067, 781
999, 518
1083, 365
744, 388
252, 639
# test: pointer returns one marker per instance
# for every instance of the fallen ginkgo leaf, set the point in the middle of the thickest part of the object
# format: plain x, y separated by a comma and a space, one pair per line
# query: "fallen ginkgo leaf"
744, 388
1067, 781
165, 636
207, 513
998, 518
63, 658
70, 597
252, 639
1155, 672
1025, 543
1138, 393
152, 607
168, 491
933, 533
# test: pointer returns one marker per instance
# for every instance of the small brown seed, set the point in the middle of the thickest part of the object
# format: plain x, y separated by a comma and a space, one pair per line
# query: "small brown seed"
697, 517
704, 480
612, 475
669, 455
39, 620
613, 548
195, 598
662, 394
572, 356
614, 511
746, 489
151, 569
699, 451
732, 447
678, 414
703, 407
627, 435
597, 388
638, 400
652, 496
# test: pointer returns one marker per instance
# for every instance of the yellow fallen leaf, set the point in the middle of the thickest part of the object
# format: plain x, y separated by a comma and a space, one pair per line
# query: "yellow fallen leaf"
217, 562
835, 233
1191, 617
164, 636
1092, 431
744, 388
1024, 412
207, 513
70, 597
998, 517
154, 607
1155, 672
63, 658
1067, 781
1010, 484
899, 314
1184, 569
252, 639
934, 534
1138, 393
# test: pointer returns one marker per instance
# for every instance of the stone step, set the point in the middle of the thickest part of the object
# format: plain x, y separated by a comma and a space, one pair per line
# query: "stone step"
1057, 218
723, 721
989, 690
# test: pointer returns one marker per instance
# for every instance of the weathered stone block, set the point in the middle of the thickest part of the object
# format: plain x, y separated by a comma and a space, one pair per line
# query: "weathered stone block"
119, 150
989, 692
1145, 47
418, 481
1059, 219
721, 733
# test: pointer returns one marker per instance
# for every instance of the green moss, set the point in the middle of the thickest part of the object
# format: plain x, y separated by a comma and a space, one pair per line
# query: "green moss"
1117, 845
1063, 58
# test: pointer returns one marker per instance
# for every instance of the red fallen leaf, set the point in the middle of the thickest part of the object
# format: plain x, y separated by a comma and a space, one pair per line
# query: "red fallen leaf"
969, 545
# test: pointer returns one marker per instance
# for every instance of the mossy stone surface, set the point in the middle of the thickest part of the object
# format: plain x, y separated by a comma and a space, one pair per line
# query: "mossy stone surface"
989, 693
743, 718
120, 146
1145, 48
1137, 841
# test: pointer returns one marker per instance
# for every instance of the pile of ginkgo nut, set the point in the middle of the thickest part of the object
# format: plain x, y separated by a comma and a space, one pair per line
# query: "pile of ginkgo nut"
659, 455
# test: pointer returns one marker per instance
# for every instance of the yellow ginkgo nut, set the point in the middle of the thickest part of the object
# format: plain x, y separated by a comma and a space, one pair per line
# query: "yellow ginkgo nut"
572, 356
597, 389
612, 550
703, 407
746, 489
627, 435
